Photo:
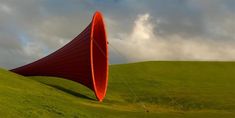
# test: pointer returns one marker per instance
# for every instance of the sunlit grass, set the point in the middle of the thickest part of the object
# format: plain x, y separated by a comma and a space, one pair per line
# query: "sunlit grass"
166, 89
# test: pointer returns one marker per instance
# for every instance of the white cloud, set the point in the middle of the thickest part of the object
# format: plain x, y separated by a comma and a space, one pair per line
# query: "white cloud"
5, 8
33, 50
144, 44
171, 30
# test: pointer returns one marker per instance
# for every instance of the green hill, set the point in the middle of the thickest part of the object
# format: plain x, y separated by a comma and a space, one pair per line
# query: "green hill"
147, 89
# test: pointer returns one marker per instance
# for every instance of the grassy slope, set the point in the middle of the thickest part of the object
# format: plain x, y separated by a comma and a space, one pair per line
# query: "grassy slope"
167, 89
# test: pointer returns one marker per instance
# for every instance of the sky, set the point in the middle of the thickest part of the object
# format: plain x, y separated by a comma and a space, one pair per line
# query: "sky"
138, 30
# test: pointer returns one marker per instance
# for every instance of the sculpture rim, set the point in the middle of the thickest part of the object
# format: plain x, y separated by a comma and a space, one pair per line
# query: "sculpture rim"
100, 93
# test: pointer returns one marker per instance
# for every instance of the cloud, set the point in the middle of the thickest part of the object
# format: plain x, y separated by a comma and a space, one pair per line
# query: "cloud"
29, 30
145, 44
6, 9
140, 30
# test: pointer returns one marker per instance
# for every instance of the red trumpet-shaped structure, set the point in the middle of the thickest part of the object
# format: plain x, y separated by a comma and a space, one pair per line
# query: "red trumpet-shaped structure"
84, 59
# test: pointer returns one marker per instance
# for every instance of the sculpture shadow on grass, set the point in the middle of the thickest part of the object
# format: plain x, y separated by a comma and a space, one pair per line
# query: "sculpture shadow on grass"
70, 92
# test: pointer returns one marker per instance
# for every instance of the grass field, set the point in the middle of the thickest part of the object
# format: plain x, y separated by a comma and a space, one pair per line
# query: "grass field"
166, 89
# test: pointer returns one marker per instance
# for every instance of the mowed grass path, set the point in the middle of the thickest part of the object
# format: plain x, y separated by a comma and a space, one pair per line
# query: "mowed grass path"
166, 89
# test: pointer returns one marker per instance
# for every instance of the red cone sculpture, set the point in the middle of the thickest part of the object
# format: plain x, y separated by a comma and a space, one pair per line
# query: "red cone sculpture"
84, 59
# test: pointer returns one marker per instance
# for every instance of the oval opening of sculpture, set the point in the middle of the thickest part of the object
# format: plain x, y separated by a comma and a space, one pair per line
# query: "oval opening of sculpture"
99, 56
